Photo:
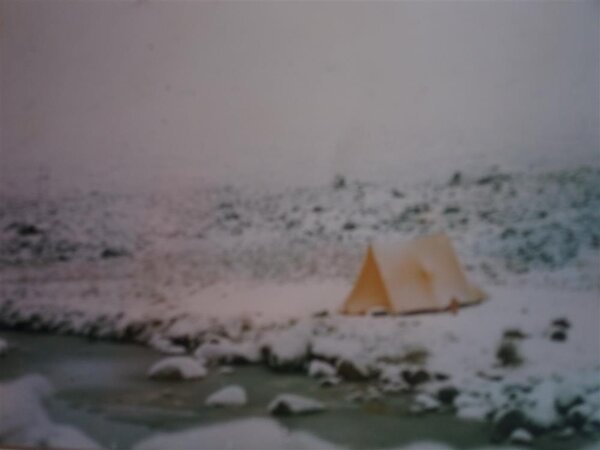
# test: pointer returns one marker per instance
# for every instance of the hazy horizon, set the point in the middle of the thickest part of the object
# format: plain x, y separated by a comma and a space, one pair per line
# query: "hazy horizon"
144, 95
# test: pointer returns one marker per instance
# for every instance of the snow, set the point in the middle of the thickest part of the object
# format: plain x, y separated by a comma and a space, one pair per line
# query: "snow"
425, 403
320, 369
177, 368
286, 404
540, 409
25, 422
220, 349
165, 346
289, 347
233, 395
520, 436
244, 276
256, 433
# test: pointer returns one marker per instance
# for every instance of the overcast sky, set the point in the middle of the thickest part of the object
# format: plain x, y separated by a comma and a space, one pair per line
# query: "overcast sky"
144, 94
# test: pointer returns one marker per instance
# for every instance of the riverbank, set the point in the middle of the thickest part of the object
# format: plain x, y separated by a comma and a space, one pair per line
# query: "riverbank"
102, 389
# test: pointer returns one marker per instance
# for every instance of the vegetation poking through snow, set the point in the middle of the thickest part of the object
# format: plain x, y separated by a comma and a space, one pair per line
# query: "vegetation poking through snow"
508, 354
503, 224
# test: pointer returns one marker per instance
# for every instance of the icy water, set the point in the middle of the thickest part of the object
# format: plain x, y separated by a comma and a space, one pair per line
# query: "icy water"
102, 389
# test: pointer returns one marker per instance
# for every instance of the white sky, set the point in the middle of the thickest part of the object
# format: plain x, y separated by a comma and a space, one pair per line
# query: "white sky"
144, 95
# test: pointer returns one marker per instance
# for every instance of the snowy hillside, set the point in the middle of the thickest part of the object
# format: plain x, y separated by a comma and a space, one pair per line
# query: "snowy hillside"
538, 228
227, 276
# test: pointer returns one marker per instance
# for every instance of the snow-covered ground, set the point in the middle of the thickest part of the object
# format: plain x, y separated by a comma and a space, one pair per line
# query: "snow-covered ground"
24, 421
230, 276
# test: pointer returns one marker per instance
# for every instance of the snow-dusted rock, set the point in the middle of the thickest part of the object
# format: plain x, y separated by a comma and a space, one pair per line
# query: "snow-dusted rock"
447, 394
287, 349
335, 348
506, 422
289, 404
390, 378
24, 421
424, 403
240, 434
355, 369
177, 368
540, 407
569, 394
321, 369
226, 370
355, 396
233, 395
520, 436
474, 411
415, 377
330, 381
581, 414
223, 350
164, 345
565, 433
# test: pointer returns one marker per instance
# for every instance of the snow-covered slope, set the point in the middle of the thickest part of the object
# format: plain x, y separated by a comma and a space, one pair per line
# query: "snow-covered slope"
537, 228
232, 276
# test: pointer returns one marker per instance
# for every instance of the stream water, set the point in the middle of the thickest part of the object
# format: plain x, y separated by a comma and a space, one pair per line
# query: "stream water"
103, 390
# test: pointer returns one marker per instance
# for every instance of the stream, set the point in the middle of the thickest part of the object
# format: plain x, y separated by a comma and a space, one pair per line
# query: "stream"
102, 389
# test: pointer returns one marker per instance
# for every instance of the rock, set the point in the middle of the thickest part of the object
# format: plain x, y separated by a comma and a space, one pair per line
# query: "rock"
177, 368
446, 395
558, 336
520, 436
291, 404
393, 387
3, 347
424, 403
164, 345
438, 376
540, 407
287, 350
378, 311
565, 433
320, 369
561, 322
567, 397
330, 381
508, 354
233, 395
397, 194
112, 253
579, 415
352, 370
506, 423
414, 378
456, 179
473, 411
372, 393
222, 350
355, 397
26, 229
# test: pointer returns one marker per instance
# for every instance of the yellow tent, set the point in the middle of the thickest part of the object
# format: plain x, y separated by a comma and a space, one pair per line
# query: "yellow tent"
421, 275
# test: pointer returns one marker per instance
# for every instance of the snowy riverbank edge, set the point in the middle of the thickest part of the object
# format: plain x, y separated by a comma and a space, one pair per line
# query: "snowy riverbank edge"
525, 359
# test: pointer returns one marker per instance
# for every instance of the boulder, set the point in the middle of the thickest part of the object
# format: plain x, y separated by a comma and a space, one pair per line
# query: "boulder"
291, 404
233, 395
